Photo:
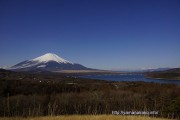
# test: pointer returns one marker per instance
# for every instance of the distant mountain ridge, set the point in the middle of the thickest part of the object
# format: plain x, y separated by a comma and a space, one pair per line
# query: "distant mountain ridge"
47, 62
175, 70
173, 74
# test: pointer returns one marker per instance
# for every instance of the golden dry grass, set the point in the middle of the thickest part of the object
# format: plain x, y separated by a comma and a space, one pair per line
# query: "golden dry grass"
85, 117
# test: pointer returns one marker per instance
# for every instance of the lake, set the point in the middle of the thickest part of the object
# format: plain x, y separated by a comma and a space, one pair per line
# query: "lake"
130, 78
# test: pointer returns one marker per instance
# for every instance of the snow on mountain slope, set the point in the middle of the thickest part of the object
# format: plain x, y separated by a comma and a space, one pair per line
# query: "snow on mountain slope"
51, 57
48, 62
24, 64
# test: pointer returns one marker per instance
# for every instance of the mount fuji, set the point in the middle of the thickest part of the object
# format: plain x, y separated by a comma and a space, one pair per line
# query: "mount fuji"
47, 62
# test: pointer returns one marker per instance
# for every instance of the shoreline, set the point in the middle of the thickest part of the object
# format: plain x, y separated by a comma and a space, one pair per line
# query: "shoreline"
174, 79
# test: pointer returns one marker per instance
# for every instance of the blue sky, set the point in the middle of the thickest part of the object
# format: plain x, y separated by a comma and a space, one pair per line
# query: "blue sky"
103, 34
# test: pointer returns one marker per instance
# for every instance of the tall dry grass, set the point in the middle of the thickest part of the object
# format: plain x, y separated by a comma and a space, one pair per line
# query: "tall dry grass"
85, 117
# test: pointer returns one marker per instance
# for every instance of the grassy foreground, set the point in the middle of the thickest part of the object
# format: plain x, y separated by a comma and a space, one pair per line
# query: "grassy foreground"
85, 117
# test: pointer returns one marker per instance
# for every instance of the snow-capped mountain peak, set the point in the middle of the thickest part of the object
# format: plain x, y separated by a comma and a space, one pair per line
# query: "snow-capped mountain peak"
47, 62
51, 57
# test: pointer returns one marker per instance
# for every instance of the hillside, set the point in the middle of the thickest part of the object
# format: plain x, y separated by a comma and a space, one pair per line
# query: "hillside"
172, 74
43, 94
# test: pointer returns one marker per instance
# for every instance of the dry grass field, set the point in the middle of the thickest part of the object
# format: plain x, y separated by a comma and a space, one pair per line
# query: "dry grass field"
85, 117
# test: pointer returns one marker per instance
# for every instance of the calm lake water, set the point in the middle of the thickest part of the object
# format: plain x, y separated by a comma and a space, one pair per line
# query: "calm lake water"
130, 78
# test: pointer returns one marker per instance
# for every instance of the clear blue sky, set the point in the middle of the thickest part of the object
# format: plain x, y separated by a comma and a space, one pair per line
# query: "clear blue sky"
104, 34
